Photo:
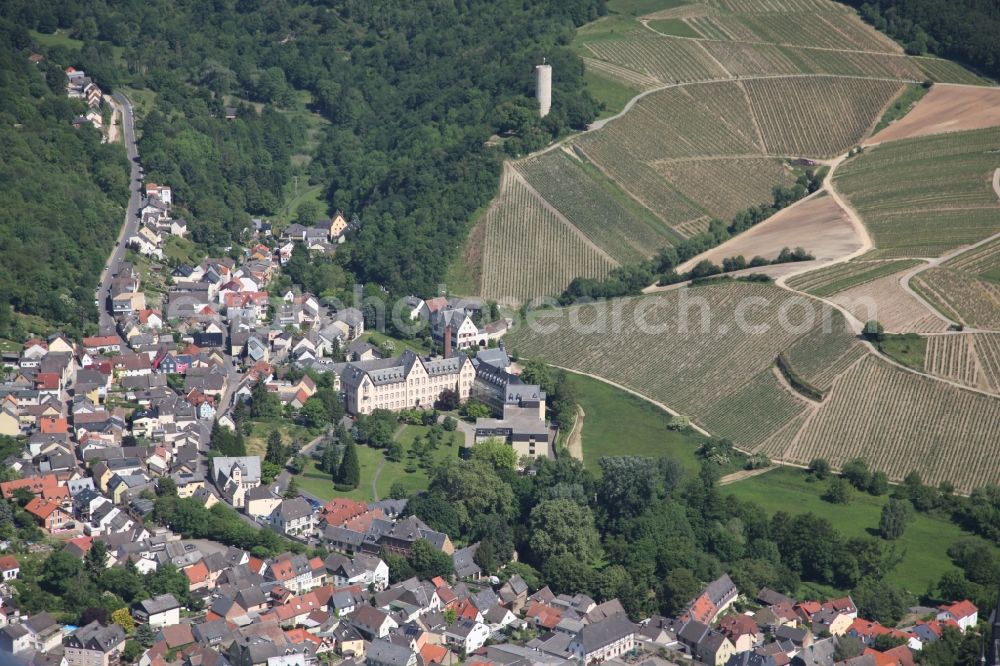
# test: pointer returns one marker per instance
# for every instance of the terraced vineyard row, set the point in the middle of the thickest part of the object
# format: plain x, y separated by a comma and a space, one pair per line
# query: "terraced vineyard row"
755, 412
529, 251
952, 357
831, 30
776, 446
983, 259
666, 59
946, 71
626, 76
823, 354
900, 421
942, 171
974, 302
817, 116
724, 187
775, 6
625, 234
839, 277
925, 196
694, 356
693, 121
988, 351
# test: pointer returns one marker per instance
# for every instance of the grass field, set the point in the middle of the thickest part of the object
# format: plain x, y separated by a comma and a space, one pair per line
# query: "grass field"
373, 461
256, 441
925, 542
58, 38
376, 338
613, 94
619, 423
908, 349
674, 28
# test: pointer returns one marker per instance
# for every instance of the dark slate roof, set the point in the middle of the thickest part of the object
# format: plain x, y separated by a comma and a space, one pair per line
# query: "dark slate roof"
383, 652
595, 636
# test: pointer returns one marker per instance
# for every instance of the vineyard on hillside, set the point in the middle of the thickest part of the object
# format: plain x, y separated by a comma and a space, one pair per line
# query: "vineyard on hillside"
840, 277
694, 359
826, 30
620, 230
900, 421
954, 357
724, 186
925, 196
817, 117
885, 300
530, 251
666, 59
823, 354
972, 301
721, 376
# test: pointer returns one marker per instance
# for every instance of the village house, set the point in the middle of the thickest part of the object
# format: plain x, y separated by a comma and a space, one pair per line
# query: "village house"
293, 517
95, 645
234, 476
160, 611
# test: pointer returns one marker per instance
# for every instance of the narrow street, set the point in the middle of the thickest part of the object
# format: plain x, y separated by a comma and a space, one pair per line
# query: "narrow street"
131, 223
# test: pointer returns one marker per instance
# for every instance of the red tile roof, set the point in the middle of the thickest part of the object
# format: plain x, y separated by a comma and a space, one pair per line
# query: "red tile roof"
9, 563
51, 425
42, 508
39, 485
960, 609
433, 654
197, 572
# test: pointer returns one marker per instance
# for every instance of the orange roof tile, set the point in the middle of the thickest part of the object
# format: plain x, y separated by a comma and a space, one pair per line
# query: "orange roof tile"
433, 654
197, 572
960, 609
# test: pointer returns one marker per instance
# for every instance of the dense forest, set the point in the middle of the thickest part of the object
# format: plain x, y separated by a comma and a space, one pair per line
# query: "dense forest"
963, 30
413, 93
62, 193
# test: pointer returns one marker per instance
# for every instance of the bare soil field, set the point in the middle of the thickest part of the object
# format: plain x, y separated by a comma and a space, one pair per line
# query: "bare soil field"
946, 108
818, 224
885, 299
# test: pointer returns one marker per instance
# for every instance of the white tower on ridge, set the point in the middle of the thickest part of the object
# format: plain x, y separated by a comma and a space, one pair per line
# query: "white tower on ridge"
543, 88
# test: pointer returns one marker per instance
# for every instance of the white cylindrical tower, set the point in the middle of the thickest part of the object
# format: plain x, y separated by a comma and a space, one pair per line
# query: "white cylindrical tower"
543, 88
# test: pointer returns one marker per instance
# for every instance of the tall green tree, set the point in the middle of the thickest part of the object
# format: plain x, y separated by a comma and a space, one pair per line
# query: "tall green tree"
349, 474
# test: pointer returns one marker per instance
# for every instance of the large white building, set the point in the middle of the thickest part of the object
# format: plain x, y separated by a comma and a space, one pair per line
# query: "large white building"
404, 382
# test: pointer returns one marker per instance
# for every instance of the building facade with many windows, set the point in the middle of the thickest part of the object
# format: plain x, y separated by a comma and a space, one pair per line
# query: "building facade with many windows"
404, 382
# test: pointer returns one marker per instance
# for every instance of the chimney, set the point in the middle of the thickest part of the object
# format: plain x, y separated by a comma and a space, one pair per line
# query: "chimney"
447, 341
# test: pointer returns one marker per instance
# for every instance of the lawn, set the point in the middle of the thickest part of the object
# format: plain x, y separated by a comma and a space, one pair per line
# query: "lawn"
618, 423
58, 38
674, 27
257, 439
924, 544
319, 483
142, 100
909, 349
376, 338
183, 250
611, 93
